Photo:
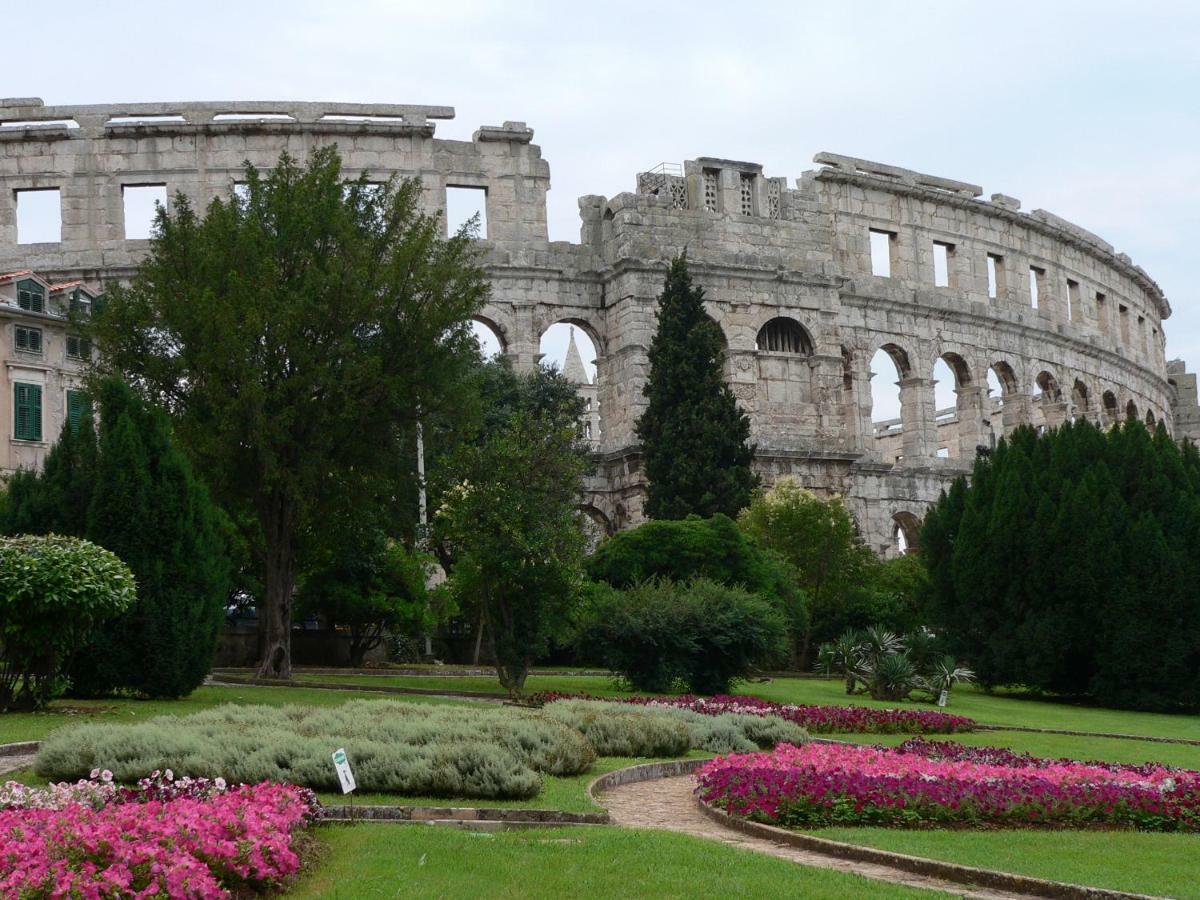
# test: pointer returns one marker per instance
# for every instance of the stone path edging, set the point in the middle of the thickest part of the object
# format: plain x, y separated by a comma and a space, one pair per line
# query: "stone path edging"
919, 865
343, 812
21, 748
951, 875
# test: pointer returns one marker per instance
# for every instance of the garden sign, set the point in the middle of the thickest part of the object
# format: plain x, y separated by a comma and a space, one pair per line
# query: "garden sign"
342, 764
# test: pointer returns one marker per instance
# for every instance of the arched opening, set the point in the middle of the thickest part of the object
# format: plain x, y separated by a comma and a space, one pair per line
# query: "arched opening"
596, 526
1047, 402
955, 414
1150, 420
1131, 410
1109, 400
905, 530
1079, 399
1004, 409
491, 344
889, 366
784, 335
568, 348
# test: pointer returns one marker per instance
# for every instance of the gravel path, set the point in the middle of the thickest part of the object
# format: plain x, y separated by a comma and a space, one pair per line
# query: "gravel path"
668, 803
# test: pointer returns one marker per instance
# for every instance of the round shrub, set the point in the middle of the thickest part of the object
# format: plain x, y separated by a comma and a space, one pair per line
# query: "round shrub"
54, 590
614, 730
699, 633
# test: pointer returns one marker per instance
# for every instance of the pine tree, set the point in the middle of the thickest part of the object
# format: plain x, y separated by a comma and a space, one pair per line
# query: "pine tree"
694, 436
148, 508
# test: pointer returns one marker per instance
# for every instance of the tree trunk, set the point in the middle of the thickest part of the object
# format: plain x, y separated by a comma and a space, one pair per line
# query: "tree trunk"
478, 641
275, 614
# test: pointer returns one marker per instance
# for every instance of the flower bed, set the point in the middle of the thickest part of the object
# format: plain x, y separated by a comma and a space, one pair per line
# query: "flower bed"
815, 719
180, 839
830, 784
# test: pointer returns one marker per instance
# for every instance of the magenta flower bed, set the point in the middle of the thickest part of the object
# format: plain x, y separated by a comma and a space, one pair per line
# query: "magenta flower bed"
203, 846
843, 784
816, 719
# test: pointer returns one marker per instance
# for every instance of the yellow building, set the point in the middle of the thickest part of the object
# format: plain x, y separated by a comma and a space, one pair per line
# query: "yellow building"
44, 364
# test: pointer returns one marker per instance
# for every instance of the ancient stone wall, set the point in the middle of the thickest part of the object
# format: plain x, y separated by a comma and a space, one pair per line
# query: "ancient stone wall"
788, 274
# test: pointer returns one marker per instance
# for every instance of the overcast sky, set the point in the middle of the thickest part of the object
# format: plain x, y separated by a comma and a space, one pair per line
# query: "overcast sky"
1089, 110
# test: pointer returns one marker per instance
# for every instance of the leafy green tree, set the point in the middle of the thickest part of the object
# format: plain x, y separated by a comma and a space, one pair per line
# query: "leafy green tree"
819, 539
694, 435
1068, 565
54, 501
53, 591
371, 587
713, 548
147, 506
296, 334
513, 523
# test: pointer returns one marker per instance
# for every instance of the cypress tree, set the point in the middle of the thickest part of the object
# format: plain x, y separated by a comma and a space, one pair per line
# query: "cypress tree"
1072, 566
693, 433
149, 509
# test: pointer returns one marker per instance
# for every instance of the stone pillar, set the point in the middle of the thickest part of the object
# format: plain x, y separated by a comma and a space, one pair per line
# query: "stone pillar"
917, 420
969, 405
1055, 412
1016, 411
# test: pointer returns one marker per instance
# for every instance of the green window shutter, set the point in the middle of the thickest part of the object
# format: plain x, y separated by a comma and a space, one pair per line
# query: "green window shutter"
78, 406
29, 339
31, 296
27, 409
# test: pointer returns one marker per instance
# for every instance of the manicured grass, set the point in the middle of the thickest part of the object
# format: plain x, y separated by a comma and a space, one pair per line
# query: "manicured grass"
600, 685
365, 861
566, 794
35, 726
1059, 745
1161, 864
999, 708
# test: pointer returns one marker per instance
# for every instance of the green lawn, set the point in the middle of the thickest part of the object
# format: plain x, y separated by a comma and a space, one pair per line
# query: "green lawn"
1162, 864
595, 862
568, 794
991, 709
35, 726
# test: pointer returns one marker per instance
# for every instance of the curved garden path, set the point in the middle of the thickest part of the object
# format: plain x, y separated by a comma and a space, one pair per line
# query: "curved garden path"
668, 803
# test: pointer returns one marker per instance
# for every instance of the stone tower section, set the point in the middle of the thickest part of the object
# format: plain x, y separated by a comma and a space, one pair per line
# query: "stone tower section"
1036, 319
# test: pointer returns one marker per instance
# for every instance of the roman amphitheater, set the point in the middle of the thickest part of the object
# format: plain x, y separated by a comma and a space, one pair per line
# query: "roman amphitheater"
1035, 319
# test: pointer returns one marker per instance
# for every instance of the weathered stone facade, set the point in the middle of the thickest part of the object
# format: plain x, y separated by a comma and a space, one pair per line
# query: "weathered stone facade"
762, 250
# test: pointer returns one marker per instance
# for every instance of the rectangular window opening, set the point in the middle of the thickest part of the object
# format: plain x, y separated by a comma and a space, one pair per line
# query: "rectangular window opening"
1037, 282
746, 186
463, 202
27, 411
78, 406
882, 248
28, 339
1073, 309
943, 260
943, 453
79, 347
39, 216
1102, 312
1123, 314
995, 275
141, 202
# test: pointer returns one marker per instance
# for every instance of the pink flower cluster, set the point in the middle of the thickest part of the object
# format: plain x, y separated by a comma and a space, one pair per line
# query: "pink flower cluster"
234, 841
100, 790
1002, 756
816, 719
844, 784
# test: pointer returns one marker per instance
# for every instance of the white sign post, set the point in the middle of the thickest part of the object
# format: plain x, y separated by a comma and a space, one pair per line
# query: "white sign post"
943, 697
342, 764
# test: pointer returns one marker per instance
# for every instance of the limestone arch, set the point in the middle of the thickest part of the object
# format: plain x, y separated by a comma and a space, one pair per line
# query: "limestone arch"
906, 529
1131, 409
957, 415
1080, 398
896, 414
784, 334
487, 330
1005, 407
1109, 402
1151, 422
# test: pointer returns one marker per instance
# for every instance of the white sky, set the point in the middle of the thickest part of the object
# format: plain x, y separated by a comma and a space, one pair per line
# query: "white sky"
1087, 109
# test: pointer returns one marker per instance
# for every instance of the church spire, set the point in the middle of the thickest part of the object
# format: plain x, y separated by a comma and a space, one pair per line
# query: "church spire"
573, 365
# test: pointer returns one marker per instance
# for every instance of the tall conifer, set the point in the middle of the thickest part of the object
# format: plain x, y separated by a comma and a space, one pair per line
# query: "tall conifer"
694, 435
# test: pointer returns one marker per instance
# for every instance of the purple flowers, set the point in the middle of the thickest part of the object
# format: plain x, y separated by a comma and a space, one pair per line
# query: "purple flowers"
934, 785
816, 719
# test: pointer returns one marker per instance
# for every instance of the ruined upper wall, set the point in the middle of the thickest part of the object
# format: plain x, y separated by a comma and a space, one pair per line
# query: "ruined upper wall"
91, 153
